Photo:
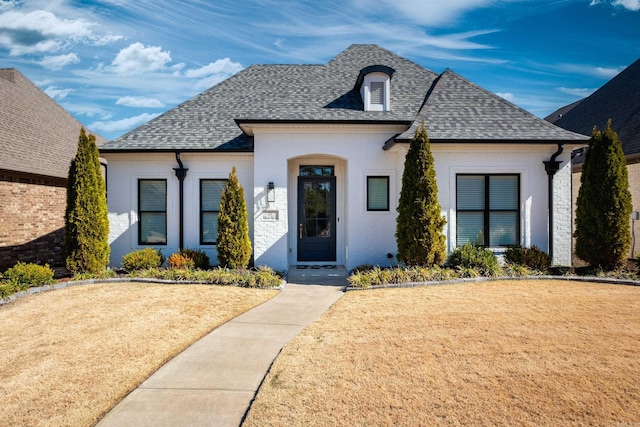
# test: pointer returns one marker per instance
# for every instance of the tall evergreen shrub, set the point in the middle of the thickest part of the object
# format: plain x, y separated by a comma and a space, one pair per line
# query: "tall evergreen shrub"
234, 245
603, 231
86, 217
419, 223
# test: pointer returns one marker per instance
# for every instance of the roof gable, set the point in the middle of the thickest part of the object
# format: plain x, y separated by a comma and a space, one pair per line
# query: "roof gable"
457, 110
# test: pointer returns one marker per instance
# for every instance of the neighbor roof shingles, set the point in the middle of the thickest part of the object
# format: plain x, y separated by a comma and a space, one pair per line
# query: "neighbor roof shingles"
618, 100
37, 136
456, 108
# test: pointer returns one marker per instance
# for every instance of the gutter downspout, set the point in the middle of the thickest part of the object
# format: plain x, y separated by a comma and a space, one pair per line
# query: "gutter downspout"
181, 174
552, 166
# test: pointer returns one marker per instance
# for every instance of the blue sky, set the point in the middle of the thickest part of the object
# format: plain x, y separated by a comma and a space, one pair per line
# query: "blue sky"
115, 64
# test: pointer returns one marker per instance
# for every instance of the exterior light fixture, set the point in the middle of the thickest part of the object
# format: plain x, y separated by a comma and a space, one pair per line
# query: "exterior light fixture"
271, 192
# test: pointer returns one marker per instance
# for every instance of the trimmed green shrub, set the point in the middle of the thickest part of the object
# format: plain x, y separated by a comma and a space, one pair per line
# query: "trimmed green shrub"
23, 276
199, 257
234, 245
180, 262
86, 217
603, 230
476, 257
532, 257
143, 259
420, 222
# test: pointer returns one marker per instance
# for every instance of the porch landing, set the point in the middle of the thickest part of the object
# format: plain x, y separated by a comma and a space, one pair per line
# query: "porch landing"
318, 275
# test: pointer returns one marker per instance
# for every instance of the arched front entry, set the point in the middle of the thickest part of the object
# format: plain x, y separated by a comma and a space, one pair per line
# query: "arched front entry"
316, 210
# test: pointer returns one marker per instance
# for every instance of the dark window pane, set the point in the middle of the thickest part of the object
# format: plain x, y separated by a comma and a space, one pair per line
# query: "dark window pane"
471, 194
503, 192
378, 193
209, 227
470, 228
153, 227
503, 226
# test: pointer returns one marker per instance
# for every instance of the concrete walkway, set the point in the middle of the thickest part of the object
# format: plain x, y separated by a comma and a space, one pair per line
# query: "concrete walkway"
213, 382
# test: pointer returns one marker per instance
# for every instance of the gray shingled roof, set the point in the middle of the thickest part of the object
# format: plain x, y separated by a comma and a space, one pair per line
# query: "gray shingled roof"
37, 136
454, 110
457, 110
618, 100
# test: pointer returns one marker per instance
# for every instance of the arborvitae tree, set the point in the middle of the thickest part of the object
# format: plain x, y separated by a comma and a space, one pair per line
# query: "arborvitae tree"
234, 245
603, 232
420, 222
86, 217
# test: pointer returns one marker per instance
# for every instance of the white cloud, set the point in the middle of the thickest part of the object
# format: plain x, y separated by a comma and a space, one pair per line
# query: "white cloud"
139, 102
59, 62
632, 5
137, 59
506, 95
589, 70
579, 92
56, 93
122, 125
214, 72
221, 66
433, 12
39, 31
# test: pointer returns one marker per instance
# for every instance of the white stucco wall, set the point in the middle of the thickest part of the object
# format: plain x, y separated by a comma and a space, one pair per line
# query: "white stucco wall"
525, 160
356, 152
362, 236
124, 170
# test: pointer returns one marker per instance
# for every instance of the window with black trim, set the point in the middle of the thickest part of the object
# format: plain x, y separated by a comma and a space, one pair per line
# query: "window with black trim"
377, 193
210, 196
152, 211
488, 210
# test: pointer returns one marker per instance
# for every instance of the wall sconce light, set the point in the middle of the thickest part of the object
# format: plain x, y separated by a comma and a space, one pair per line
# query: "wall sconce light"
271, 192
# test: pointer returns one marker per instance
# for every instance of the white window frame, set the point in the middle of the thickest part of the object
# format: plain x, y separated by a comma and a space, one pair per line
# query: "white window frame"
366, 92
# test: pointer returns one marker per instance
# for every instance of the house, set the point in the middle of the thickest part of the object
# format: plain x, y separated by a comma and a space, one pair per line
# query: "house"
618, 100
38, 140
320, 151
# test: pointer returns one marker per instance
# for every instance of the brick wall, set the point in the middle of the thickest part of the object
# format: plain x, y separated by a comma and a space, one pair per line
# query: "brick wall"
31, 219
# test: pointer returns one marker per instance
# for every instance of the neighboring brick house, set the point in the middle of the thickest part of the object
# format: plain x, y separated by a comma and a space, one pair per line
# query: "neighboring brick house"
320, 151
38, 140
618, 100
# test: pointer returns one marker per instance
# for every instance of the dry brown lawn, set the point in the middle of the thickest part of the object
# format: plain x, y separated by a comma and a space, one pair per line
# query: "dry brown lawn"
68, 356
493, 353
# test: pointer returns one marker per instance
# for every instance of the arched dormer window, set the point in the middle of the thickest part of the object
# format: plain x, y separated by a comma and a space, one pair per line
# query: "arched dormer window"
375, 87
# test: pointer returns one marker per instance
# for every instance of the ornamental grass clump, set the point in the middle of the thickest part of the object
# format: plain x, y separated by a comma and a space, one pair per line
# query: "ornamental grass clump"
476, 257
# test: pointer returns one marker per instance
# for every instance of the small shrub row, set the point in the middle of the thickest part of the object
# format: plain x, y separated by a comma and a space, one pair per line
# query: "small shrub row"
148, 258
261, 277
361, 277
466, 261
532, 257
23, 276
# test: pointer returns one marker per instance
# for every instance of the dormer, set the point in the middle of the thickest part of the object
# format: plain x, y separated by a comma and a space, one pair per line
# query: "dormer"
375, 87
